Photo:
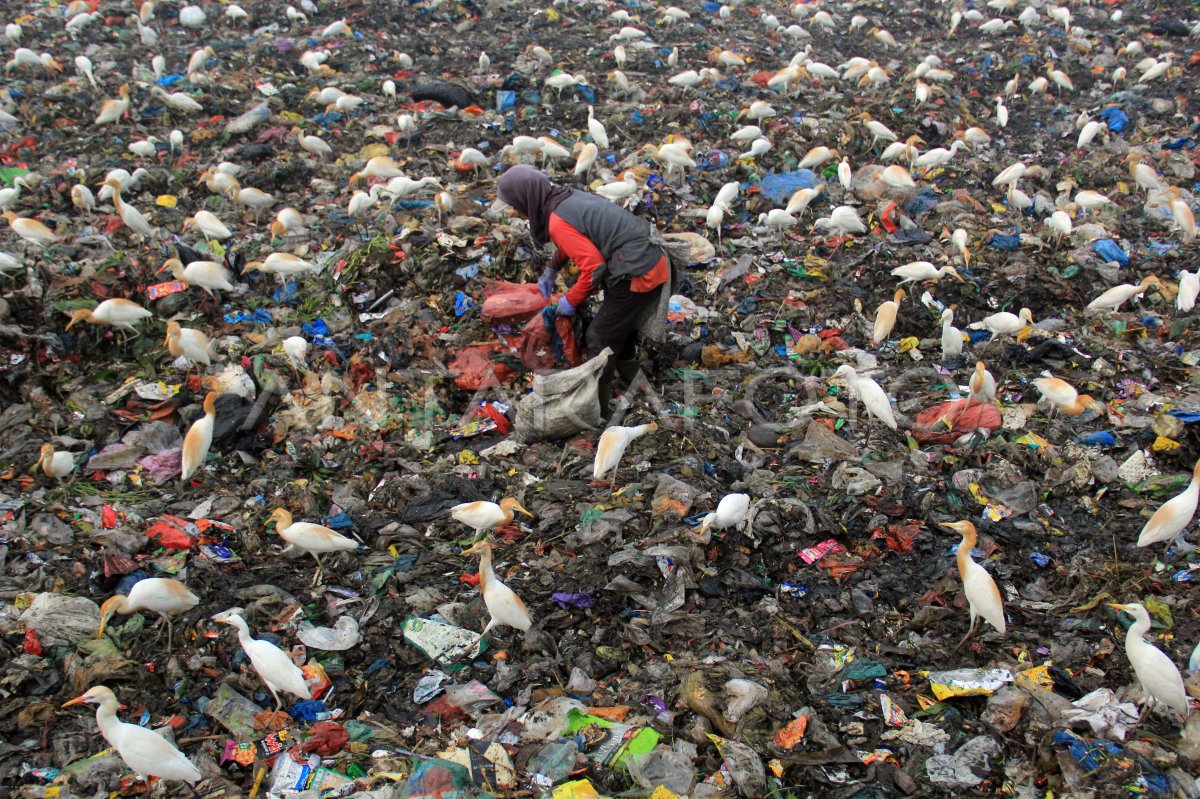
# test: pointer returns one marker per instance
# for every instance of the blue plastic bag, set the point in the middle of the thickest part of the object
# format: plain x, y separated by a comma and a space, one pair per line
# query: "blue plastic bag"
1101, 438
317, 327
462, 304
1110, 251
1005, 241
1116, 119
712, 160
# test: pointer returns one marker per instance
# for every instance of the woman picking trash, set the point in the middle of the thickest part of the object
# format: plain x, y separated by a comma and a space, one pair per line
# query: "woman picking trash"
614, 249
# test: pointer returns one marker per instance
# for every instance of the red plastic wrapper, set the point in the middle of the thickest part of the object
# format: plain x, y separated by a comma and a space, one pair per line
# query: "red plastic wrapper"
889, 224
944, 423
33, 644
503, 425
169, 532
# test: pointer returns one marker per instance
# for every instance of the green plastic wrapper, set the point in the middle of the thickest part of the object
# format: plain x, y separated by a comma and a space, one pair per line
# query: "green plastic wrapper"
609, 743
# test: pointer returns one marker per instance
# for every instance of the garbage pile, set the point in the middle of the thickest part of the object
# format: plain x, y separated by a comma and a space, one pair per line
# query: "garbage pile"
303, 487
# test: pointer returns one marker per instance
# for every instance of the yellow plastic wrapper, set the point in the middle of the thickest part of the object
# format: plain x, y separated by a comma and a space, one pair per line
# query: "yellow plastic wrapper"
166, 200
1164, 444
1038, 675
909, 343
468, 458
579, 789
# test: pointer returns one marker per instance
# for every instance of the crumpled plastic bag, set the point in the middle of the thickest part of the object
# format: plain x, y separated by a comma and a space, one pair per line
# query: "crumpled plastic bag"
474, 368
512, 303
326, 738
562, 404
342, 635
945, 423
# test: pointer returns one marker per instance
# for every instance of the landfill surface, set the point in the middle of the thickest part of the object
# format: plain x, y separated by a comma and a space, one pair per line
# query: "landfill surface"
816, 647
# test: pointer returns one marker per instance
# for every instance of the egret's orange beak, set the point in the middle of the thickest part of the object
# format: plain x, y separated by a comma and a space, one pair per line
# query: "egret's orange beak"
76, 701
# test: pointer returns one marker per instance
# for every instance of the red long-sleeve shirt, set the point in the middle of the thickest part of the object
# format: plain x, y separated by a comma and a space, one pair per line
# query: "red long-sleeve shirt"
579, 248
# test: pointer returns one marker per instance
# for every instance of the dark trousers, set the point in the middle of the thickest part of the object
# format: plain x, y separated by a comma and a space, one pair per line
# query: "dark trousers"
615, 324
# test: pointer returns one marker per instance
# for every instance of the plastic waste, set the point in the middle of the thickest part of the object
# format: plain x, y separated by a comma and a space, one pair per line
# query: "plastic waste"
343, 635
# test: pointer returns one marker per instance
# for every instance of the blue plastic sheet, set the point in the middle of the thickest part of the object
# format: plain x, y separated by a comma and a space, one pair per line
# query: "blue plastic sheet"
1092, 753
1109, 250
285, 292
779, 187
506, 100
587, 93
260, 317
1188, 417
1089, 754
339, 521
922, 203
169, 80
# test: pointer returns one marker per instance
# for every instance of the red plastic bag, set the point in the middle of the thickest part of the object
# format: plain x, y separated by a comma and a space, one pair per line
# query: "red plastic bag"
537, 344
944, 423
474, 368
512, 303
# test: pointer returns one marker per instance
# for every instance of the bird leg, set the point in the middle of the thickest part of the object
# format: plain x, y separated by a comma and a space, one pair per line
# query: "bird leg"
491, 623
613, 485
317, 575
970, 631
170, 633
1145, 710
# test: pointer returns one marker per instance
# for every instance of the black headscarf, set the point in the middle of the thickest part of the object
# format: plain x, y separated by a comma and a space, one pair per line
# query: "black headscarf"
530, 192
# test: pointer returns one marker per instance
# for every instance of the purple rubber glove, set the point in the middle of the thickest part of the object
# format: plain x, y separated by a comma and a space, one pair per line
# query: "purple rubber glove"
565, 308
546, 282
